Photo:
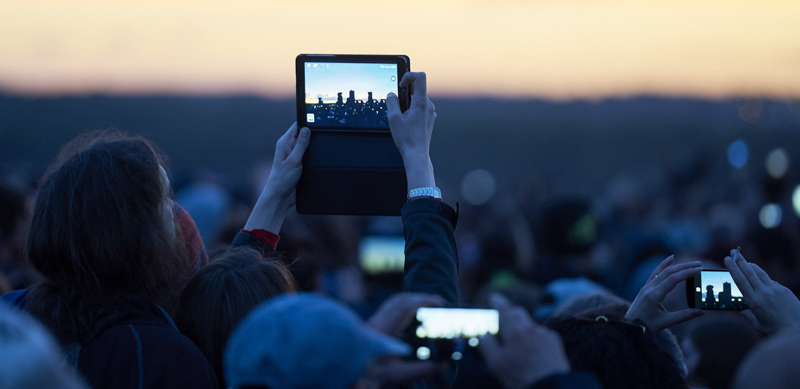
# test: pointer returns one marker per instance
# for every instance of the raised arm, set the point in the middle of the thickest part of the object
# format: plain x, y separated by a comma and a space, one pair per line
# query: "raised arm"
431, 264
278, 196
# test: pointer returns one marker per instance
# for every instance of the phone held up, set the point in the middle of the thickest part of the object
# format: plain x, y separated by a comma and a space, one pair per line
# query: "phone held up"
451, 333
714, 290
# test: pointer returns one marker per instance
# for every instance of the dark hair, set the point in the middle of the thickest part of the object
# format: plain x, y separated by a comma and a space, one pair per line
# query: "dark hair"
223, 293
99, 229
618, 352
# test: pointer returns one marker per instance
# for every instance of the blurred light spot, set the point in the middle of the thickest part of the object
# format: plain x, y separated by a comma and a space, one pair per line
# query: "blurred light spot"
796, 200
478, 187
473, 342
777, 163
423, 353
456, 356
697, 289
738, 153
749, 110
421, 332
770, 215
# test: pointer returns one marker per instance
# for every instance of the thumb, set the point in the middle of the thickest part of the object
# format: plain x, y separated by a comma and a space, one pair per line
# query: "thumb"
300, 146
392, 108
683, 316
489, 347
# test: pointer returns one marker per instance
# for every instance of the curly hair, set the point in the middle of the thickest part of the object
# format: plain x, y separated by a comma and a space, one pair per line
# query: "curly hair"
618, 352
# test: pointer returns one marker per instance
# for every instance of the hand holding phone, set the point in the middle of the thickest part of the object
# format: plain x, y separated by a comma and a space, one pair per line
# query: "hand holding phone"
647, 305
451, 333
772, 307
524, 352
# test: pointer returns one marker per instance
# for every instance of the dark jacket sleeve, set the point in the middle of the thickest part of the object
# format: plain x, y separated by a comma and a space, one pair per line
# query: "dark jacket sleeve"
431, 264
571, 380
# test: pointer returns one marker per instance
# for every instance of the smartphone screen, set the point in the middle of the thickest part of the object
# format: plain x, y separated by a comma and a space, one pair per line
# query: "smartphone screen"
715, 289
340, 94
449, 333
382, 254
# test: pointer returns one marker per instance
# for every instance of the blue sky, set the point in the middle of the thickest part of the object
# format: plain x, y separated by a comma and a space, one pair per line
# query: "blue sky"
716, 278
327, 79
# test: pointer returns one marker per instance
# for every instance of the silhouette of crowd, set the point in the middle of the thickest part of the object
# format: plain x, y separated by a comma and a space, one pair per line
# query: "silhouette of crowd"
113, 277
369, 113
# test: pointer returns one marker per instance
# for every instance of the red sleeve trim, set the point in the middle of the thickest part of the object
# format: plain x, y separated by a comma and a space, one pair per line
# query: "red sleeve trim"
268, 237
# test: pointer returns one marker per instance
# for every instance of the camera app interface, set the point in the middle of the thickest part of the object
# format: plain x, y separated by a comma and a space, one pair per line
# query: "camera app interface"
450, 323
348, 94
716, 290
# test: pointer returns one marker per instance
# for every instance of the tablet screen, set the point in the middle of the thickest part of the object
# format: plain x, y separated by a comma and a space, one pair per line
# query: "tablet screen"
341, 94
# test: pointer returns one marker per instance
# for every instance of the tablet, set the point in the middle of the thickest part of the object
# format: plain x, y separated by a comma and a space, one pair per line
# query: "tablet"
352, 166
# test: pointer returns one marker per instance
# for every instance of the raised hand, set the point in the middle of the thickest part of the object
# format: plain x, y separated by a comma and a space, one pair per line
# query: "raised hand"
525, 352
397, 313
772, 307
412, 129
647, 305
278, 195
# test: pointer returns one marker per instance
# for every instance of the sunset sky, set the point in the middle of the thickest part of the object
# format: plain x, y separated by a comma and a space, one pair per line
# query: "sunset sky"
555, 49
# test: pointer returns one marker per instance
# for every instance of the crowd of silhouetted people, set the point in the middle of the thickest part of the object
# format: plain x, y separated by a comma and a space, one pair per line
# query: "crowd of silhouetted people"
113, 277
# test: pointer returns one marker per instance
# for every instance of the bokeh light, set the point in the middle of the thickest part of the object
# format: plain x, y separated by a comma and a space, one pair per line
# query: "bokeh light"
738, 153
777, 163
796, 200
770, 216
478, 187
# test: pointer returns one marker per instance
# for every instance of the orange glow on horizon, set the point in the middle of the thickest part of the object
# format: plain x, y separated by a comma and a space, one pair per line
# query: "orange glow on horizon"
548, 49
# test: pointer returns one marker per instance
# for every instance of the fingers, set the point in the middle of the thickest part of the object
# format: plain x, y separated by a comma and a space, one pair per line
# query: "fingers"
397, 313
682, 316
670, 270
661, 266
669, 283
513, 319
420, 85
489, 347
762, 275
303, 139
748, 271
738, 277
285, 143
393, 112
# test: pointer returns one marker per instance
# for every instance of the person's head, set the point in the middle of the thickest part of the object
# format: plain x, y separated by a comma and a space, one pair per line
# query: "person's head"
29, 357
620, 353
772, 364
102, 225
221, 294
307, 341
715, 349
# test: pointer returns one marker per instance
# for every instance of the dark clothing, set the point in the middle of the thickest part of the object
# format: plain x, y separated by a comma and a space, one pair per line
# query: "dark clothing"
135, 345
431, 264
571, 380
431, 259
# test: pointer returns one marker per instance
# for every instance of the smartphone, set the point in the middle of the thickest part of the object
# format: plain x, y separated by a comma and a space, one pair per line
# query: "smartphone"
348, 92
382, 254
715, 290
451, 333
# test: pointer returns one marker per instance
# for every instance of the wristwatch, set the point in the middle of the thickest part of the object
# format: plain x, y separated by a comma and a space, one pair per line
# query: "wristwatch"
428, 191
